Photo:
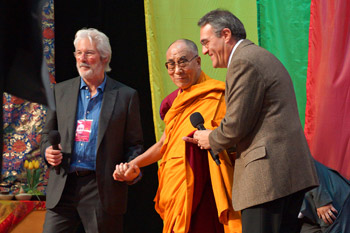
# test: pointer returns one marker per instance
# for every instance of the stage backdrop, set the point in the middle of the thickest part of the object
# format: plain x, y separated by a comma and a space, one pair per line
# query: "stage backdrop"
283, 30
327, 125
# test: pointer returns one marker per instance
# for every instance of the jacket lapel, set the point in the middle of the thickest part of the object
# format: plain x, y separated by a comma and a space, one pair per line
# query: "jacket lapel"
108, 102
71, 102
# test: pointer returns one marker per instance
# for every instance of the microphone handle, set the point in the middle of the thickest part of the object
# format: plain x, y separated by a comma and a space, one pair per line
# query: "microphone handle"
201, 127
57, 168
215, 157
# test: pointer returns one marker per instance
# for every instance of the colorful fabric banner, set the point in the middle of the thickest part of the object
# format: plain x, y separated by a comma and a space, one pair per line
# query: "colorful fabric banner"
24, 120
327, 124
283, 30
167, 21
12, 212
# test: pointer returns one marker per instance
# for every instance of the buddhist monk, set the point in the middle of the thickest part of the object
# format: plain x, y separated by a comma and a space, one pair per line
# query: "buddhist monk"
194, 193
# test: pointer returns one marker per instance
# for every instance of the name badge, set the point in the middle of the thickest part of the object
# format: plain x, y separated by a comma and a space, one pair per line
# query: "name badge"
83, 131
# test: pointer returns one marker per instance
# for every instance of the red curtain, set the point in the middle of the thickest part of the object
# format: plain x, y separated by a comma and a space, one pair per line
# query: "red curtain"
327, 115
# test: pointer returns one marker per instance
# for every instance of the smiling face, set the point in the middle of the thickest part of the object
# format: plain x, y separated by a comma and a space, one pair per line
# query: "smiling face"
218, 48
189, 72
89, 63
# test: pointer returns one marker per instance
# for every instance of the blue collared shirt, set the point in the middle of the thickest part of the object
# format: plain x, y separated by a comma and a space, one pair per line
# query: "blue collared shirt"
84, 153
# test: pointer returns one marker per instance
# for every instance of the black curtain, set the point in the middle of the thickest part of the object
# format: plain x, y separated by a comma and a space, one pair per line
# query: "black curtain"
123, 21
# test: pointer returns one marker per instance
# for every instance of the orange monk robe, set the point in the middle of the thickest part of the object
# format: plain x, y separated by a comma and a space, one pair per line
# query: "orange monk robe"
176, 181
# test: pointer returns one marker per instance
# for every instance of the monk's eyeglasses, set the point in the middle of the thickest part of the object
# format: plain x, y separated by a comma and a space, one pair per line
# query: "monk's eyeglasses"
182, 63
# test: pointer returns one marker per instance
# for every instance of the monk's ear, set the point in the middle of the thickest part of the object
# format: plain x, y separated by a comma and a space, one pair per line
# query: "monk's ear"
199, 60
226, 34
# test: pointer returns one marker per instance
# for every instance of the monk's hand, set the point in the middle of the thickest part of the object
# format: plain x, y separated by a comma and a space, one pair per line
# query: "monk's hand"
202, 137
327, 213
126, 172
132, 172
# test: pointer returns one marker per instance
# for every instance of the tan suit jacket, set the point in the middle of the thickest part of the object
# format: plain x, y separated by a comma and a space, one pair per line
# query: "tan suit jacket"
262, 121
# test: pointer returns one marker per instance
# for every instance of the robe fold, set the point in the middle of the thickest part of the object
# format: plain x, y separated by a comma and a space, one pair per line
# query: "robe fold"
174, 198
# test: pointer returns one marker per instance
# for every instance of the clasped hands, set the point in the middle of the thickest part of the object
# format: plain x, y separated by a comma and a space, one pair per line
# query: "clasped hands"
129, 171
201, 138
126, 172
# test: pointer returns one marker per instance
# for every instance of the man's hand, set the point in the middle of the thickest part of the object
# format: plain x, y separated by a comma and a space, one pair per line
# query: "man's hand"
327, 213
53, 157
189, 139
201, 138
126, 172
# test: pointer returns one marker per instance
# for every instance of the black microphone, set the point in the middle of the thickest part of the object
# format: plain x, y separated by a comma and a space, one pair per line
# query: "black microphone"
197, 121
55, 139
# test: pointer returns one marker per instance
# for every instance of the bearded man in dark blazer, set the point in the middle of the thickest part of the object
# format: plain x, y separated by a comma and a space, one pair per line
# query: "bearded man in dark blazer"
273, 166
99, 122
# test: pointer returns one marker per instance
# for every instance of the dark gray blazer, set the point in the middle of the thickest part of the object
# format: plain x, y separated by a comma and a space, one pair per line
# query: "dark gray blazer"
119, 139
262, 120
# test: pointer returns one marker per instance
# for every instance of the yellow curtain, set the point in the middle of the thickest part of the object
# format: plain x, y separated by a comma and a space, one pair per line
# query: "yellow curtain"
167, 21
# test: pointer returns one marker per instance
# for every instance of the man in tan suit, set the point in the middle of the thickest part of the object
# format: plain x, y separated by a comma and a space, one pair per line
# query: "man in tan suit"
273, 166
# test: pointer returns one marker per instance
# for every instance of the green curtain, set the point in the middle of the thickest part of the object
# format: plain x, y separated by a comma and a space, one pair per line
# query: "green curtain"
283, 28
167, 21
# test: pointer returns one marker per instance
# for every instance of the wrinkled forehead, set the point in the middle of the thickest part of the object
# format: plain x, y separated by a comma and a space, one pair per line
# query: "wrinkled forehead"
206, 31
178, 51
86, 43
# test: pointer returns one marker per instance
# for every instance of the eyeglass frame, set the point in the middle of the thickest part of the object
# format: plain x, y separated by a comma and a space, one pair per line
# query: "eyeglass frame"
183, 61
89, 53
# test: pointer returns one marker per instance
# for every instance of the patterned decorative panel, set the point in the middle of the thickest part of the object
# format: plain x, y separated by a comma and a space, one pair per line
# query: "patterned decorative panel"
49, 38
23, 120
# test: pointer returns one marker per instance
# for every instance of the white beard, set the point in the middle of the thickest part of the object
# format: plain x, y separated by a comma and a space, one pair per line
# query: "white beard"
90, 74
87, 74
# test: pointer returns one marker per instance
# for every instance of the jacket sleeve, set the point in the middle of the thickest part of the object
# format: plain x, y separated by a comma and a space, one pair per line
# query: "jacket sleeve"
245, 91
133, 143
50, 124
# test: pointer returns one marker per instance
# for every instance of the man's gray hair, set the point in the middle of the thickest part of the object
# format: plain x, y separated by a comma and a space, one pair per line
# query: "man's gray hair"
100, 39
220, 19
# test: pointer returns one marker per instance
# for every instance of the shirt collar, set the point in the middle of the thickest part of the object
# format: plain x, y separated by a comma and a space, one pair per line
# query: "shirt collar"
233, 50
101, 87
